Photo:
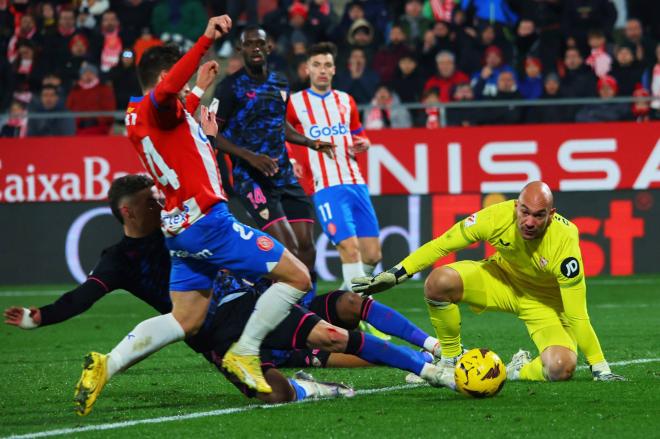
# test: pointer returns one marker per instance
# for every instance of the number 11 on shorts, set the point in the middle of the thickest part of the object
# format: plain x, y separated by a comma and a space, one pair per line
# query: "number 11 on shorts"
326, 213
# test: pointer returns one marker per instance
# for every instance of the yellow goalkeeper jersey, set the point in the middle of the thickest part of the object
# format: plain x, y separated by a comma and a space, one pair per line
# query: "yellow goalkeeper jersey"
550, 265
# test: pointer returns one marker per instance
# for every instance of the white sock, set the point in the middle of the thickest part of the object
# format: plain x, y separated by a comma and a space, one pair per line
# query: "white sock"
146, 338
349, 271
272, 307
430, 343
368, 269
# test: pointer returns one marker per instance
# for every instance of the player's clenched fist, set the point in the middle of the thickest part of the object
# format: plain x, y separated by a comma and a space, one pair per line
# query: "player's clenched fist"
218, 27
380, 282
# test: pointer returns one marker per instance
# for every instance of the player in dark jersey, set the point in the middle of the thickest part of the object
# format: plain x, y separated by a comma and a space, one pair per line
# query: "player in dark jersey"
253, 130
139, 263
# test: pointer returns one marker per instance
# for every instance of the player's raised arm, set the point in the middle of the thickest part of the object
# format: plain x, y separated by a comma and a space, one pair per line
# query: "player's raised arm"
206, 74
173, 81
476, 227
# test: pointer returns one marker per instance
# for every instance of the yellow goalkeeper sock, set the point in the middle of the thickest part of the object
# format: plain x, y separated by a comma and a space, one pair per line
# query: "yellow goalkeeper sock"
533, 371
446, 320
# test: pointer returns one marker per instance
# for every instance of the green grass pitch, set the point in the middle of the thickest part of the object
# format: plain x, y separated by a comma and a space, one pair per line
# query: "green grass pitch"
39, 369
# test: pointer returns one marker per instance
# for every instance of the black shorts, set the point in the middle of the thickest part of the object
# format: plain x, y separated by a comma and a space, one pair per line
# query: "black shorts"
267, 205
230, 320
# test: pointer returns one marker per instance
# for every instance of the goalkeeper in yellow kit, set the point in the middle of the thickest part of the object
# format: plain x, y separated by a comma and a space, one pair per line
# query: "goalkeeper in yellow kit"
536, 274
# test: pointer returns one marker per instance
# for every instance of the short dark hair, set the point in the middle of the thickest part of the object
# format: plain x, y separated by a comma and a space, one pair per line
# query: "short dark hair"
126, 186
322, 48
251, 28
154, 60
50, 87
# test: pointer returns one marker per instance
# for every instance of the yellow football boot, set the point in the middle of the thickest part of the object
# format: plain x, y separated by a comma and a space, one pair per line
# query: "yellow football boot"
247, 368
92, 381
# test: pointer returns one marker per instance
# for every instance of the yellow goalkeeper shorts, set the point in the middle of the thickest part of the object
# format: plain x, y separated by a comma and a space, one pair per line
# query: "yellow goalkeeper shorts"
486, 287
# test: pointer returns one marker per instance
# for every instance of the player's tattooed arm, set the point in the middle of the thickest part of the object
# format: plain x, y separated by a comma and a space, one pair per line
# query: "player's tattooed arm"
380, 282
265, 164
294, 136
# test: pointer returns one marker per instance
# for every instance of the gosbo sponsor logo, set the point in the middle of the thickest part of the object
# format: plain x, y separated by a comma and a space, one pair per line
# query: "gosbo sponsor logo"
204, 254
317, 131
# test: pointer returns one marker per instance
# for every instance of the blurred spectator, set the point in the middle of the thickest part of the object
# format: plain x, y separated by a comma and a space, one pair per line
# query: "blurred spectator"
644, 47
438, 39
90, 95
134, 15
580, 16
550, 113
108, 45
26, 71
446, 76
352, 12
296, 24
386, 60
429, 117
599, 59
606, 112
651, 80
627, 70
277, 62
491, 11
413, 22
358, 80
300, 77
464, 116
546, 16
69, 69
527, 41
185, 17
145, 41
53, 80
506, 91
473, 54
49, 101
90, 12
641, 109
47, 20
531, 86
124, 79
6, 25
484, 83
361, 34
408, 81
385, 111
26, 30
16, 125
59, 42
579, 80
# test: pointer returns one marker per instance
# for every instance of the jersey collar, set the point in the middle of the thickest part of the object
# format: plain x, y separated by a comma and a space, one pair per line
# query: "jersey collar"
322, 96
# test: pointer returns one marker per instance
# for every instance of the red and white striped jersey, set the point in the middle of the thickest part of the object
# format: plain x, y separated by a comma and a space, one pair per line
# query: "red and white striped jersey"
332, 117
174, 149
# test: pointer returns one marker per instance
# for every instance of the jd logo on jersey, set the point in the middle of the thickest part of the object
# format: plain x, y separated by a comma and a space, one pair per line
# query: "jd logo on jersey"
570, 267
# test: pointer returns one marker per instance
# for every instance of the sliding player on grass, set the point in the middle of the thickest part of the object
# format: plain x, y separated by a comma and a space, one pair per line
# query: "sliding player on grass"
536, 274
139, 263
201, 233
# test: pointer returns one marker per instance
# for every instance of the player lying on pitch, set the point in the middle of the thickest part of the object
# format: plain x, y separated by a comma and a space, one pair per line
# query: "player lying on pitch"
139, 263
536, 274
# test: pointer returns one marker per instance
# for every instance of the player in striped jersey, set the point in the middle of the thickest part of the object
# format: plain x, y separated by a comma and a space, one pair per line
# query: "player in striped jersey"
341, 196
201, 234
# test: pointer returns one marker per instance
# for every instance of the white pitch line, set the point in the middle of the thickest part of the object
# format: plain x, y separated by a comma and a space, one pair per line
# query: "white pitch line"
228, 411
622, 281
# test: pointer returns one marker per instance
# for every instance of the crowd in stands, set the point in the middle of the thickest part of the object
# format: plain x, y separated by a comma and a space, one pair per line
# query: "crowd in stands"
80, 55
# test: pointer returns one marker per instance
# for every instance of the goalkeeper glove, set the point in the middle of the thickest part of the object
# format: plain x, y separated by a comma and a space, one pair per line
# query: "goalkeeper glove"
380, 282
601, 372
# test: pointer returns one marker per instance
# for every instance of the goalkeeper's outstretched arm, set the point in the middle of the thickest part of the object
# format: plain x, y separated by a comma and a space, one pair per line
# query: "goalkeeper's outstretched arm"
459, 236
